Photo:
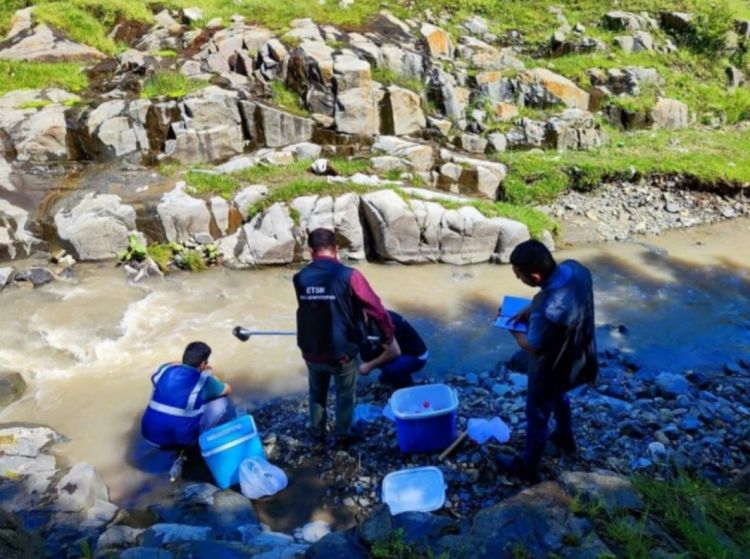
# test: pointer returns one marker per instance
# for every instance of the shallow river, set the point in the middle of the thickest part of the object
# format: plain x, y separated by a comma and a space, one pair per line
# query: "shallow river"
87, 346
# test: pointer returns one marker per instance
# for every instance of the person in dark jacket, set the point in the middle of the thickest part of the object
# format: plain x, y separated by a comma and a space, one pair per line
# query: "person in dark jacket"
332, 302
395, 371
561, 346
186, 400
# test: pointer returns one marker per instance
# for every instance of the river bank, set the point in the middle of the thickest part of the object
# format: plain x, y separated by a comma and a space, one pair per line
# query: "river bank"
676, 279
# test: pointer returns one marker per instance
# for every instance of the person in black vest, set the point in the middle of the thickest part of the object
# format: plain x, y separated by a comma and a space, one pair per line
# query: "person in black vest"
561, 344
395, 371
332, 302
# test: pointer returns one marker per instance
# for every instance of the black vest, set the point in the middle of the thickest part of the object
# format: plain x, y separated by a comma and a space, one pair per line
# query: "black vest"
330, 321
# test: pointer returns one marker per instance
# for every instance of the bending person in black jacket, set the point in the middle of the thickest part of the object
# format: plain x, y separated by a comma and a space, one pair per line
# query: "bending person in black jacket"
395, 370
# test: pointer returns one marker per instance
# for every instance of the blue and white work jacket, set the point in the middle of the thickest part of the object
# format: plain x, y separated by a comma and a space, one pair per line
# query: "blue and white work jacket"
174, 413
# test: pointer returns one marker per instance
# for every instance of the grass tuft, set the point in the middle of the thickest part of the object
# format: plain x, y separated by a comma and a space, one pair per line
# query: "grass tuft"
170, 84
40, 75
287, 99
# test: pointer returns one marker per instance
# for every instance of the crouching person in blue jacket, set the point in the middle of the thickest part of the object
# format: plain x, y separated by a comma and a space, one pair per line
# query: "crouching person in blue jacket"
187, 399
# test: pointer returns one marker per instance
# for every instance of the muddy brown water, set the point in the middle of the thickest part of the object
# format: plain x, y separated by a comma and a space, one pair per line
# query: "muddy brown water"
87, 346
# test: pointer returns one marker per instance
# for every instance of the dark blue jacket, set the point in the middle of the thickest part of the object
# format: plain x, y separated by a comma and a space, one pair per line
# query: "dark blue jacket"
330, 321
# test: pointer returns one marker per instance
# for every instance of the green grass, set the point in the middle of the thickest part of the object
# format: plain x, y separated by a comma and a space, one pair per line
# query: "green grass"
38, 104
714, 157
304, 187
684, 514
386, 76
287, 99
162, 254
39, 75
207, 183
170, 84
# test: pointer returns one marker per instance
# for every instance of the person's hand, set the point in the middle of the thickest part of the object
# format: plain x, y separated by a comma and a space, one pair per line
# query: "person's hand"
365, 369
522, 315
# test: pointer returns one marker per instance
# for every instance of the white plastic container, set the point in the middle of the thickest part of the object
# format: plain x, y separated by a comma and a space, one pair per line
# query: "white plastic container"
414, 490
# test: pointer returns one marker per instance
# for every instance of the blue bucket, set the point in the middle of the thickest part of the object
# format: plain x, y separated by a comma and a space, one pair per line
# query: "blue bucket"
425, 417
225, 446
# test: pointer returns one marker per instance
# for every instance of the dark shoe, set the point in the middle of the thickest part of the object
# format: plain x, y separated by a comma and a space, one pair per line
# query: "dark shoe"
515, 466
345, 441
564, 444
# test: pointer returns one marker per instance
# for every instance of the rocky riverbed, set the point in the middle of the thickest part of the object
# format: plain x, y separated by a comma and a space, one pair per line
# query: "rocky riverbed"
622, 210
633, 420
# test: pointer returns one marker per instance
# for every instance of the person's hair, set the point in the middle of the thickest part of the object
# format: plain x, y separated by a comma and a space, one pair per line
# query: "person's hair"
321, 238
532, 257
196, 353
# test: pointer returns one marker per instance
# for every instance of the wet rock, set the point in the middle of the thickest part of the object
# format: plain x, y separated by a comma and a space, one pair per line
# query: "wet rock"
80, 489
336, 545
6, 273
44, 44
98, 226
377, 527
12, 387
36, 275
162, 534
15, 542
315, 531
671, 386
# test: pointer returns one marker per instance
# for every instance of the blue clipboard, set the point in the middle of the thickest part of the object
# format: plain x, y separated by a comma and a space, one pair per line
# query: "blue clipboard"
508, 309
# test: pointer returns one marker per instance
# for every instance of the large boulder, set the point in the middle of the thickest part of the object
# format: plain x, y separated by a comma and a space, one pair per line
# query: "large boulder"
477, 176
350, 72
358, 111
117, 128
15, 238
467, 237
275, 128
539, 520
12, 385
267, 238
450, 98
402, 112
543, 87
420, 157
394, 228
27, 468
573, 129
210, 129
340, 215
670, 114
438, 41
98, 226
184, 218
43, 44
613, 492
34, 124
